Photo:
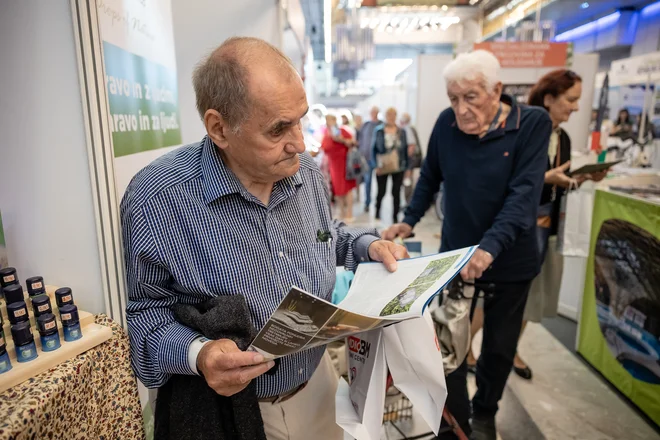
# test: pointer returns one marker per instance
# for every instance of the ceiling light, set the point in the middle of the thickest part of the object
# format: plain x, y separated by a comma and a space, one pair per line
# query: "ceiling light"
445, 7
584, 5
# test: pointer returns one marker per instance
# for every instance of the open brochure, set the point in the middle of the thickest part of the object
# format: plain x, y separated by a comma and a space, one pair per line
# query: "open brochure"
376, 298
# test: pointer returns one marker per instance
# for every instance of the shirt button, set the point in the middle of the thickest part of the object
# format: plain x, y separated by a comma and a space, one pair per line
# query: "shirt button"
281, 254
301, 371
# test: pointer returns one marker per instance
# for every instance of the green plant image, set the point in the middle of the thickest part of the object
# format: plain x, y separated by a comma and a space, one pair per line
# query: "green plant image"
433, 272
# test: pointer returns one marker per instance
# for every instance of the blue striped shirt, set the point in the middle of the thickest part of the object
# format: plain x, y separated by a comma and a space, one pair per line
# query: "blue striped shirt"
192, 232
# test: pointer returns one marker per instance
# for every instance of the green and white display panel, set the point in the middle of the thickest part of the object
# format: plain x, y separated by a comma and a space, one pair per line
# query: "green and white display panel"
141, 79
620, 321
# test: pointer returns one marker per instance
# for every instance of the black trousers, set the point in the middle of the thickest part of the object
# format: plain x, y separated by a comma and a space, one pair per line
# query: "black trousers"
503, 314
397, 181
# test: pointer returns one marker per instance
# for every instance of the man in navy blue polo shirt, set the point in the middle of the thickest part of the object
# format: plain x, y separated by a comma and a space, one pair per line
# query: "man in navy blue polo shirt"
491, 155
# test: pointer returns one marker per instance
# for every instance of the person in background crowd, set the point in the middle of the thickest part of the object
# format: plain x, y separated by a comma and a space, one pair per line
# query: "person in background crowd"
491, 153
623, 127
221, 216
594, 119
389, 141
336, 142
365, 144
348, 126
414, 157
357, 120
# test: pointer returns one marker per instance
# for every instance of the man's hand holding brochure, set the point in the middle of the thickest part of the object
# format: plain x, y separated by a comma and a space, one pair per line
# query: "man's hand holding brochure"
409, 350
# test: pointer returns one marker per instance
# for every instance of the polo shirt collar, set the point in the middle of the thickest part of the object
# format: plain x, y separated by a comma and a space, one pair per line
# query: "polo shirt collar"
220, 181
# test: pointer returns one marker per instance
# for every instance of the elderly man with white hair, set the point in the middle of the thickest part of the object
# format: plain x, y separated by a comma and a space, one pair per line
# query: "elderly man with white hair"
491, 154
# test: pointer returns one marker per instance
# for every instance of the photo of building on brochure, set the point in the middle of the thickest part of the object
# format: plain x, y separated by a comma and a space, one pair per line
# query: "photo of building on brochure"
433, 272
295, 322
305, 321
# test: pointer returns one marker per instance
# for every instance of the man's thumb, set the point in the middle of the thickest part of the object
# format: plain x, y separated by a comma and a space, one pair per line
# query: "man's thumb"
565, 166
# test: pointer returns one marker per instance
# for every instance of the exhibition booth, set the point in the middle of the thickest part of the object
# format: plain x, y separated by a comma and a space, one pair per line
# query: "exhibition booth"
134, 102
619, 326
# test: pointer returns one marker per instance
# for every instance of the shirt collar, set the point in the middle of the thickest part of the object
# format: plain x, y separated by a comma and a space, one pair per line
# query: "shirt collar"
220, 181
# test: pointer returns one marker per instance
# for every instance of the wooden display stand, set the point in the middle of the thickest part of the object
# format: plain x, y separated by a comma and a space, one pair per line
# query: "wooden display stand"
93, 335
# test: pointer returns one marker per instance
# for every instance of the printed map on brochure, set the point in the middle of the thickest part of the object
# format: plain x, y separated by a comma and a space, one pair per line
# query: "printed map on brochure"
376, 298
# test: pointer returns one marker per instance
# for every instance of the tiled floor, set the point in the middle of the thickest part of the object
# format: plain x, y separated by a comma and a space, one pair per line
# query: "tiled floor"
564, 401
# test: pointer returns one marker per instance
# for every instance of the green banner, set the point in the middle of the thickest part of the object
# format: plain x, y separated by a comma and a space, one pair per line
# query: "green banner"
143, 102
620, 321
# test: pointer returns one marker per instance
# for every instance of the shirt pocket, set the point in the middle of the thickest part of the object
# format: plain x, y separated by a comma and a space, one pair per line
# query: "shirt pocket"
316, 267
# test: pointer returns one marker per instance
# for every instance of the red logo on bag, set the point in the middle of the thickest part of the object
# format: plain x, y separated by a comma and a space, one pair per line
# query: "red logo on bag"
357, 345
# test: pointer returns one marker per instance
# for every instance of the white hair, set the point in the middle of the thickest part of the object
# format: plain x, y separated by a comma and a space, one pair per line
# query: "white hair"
478, 65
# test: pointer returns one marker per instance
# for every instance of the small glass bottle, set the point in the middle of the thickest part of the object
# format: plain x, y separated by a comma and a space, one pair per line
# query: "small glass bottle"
63, 296
13, 293
50, 337
5, 363
26, 350
41, 305
18, 312
35, 286
70, 322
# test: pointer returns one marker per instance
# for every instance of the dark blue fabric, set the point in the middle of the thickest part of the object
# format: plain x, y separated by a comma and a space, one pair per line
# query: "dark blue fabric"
492, 188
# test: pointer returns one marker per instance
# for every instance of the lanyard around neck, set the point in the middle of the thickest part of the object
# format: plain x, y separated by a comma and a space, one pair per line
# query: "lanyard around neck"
496, 120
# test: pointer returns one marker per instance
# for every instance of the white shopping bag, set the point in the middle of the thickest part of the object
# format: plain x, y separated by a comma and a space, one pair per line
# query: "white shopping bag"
574, 229
414, 359
359, 407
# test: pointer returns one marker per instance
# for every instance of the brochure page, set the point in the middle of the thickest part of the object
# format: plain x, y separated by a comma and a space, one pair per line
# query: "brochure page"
376, 298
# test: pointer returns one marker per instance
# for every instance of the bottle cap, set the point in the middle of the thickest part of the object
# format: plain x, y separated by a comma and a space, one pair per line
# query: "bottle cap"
17, 312
63, 296
8, 276
21, 333
47, 324
13, 293
69, 315
41, 305
35, 286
